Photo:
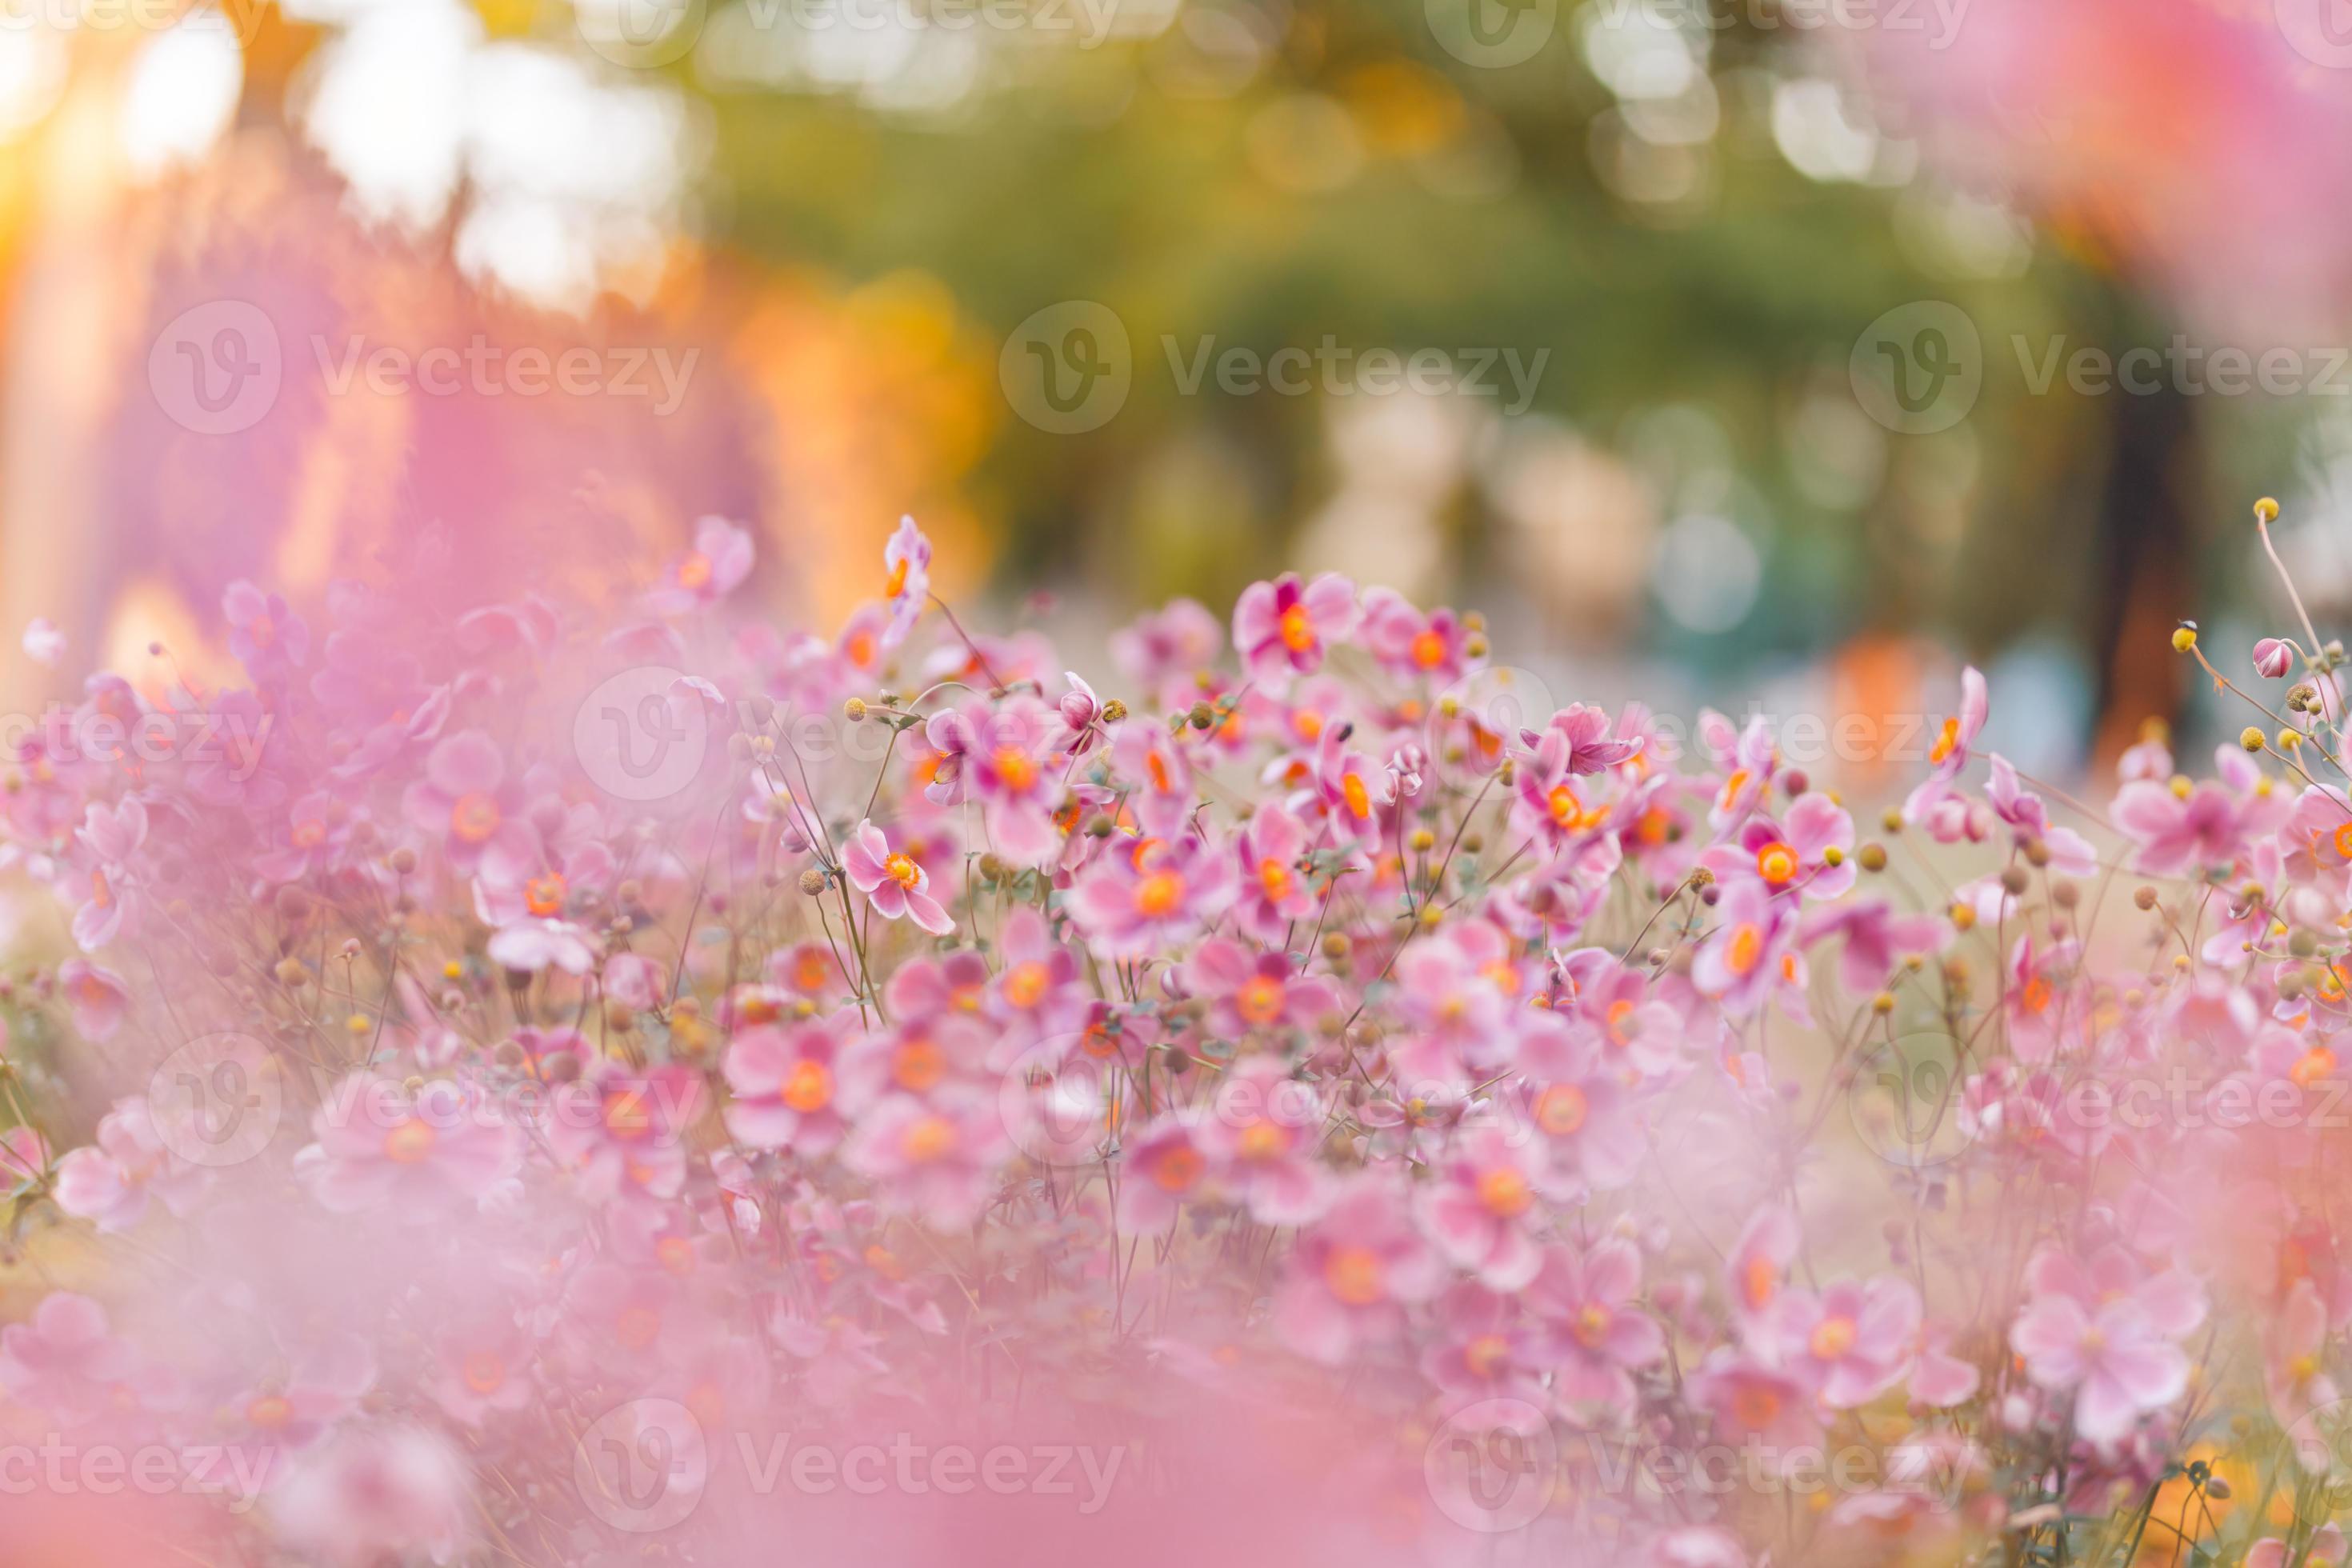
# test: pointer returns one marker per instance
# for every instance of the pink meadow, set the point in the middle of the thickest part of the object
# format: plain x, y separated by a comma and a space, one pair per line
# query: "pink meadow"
594, 1087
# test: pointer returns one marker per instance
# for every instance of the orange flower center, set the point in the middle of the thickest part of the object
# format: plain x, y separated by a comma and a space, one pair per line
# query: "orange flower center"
1832, 1338
269, 1412
1946, 741
1159, 894
1591, 1325
918, 1065
1429, 651
1776, 864
1624, 1024
1260, 1000
544, 896
1274, 878
676, 1255
1024, 986
1262, 1141
409, 1143
1356, 1275
896, 583
2314, 1065
1297, 631
1019, 773
1486, 1354
1755, 1408
811, 972
1758, 1282
1504, 1192
902, 868
309, 833
1746, 949
931, 1139
1562, 1110
1358, 798
1564, 806
2344, 841
807, 1087
694, 572
474, 817
1177, 1170
485, 1372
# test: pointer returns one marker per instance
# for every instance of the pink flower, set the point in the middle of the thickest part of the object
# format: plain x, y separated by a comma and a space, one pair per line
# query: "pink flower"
2177, 829
720, 561
1595, 1333
785, 1086
384, 1148
935, 1158
1852, 1342
65, 1363
1950, 754
2113, 1359
265, 635
1166, 651
466, 801
2274, 656
98, 998
381, 1494
907, 561
2106, 1333
112, 836
482, 1365
1261, 1136
1410, 644
1276, 890
1353, 1274
892, 882
1250, 991
1153, 895
109, 1184
1482, 1210
1738, 964
621, 1132
1281, 629
1877, 940
1006, 757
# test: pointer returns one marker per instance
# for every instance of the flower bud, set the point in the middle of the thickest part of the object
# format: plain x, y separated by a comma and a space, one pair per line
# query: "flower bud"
2266, 511
2184, 638
812, 883
2252, 737
2273, 657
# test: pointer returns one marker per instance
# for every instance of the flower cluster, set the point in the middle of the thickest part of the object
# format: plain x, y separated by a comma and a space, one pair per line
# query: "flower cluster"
552, 1042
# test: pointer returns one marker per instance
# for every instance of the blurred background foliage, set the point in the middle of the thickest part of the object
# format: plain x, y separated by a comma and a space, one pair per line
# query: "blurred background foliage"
1694, 222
